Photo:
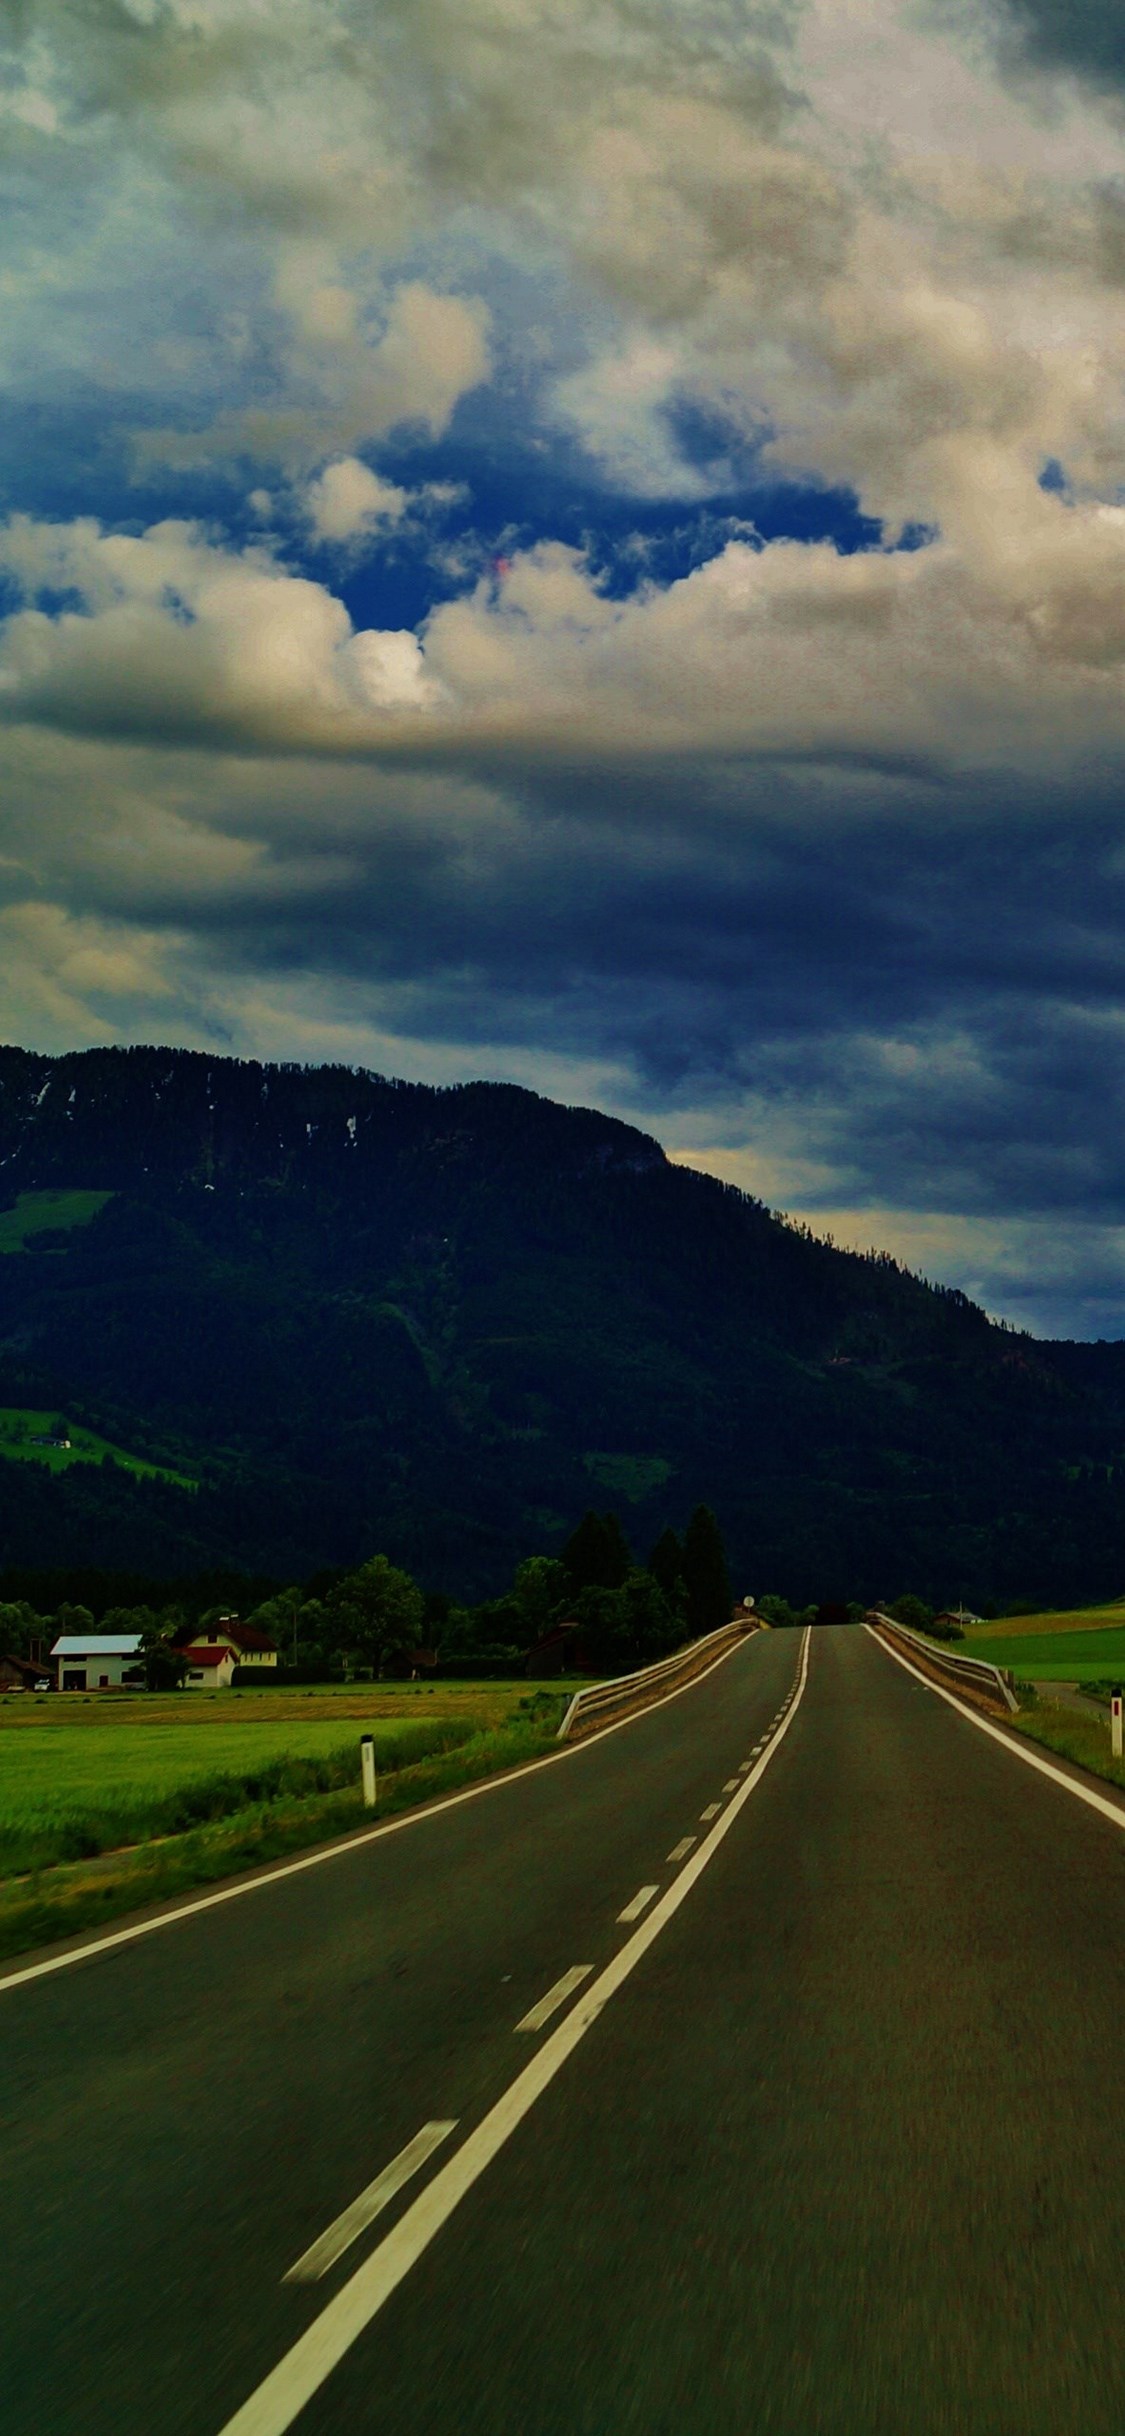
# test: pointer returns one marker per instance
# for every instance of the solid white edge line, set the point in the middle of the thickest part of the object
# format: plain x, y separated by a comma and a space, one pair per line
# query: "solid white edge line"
278, 2401
639, 1904
1007, 1742
352, 1843
555, 1996
370, 2202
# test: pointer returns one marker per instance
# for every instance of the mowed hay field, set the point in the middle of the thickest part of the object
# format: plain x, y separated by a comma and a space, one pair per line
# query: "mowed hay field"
1082, 1643
83, 1776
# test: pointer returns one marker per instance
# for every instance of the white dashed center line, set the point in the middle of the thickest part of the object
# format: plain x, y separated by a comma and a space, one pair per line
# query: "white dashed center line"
323, 2254
712, 1810
731, 1785
681, 1850
555, 1997
640, 1903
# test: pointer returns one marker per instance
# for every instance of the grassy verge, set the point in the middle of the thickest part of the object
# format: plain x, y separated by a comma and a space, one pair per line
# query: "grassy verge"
64, 1900
1073, 1736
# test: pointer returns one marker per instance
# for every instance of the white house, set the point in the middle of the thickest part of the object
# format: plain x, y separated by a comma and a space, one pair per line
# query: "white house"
96, 1661
210, 1667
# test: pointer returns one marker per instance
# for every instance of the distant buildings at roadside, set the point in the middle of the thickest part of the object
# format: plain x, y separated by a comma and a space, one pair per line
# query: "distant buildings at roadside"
108, 1662
97, 1661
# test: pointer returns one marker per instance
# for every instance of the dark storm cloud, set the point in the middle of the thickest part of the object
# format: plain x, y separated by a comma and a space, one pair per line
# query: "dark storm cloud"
1085, 35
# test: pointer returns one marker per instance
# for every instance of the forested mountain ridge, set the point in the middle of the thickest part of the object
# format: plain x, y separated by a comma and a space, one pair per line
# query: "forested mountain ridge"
366, 1314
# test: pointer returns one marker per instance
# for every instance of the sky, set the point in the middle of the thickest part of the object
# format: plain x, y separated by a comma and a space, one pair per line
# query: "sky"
583, 542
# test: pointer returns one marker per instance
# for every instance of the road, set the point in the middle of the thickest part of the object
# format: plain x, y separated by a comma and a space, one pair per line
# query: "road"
840, 2153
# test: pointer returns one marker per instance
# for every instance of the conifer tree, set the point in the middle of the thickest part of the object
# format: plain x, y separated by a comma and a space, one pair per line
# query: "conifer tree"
705, 1572
666, 1564
597, 1555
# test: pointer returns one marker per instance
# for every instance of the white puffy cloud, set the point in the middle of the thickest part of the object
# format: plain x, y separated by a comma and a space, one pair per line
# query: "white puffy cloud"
347, 501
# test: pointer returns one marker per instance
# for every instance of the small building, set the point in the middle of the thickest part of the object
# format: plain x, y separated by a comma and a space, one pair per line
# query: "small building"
24, 1674
210, 1666
562, 1651
251, 1646
97, 1661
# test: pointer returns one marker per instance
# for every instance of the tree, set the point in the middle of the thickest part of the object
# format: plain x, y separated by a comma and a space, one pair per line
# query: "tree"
705, 1572
628, 1626
913, 1612
541, 1590
165, 1666
597, 1555
376, 1611
666, 1564
19, 1624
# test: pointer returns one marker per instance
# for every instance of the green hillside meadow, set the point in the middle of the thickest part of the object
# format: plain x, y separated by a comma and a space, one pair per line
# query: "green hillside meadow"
21, 1424
47, 1213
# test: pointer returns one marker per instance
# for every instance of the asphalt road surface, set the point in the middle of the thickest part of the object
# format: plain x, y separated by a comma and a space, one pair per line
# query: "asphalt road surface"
827, 2140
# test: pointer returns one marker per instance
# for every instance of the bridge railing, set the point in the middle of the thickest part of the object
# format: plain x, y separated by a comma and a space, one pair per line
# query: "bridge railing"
971, 1673
598, 1703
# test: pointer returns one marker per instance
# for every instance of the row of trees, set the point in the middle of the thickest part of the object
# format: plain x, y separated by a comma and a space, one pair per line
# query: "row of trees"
377, 1615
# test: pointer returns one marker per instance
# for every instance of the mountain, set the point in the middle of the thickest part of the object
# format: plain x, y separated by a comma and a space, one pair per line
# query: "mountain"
367, 1314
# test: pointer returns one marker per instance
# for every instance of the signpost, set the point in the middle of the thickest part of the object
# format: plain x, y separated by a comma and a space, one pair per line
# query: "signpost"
367, 1761
1115, 1722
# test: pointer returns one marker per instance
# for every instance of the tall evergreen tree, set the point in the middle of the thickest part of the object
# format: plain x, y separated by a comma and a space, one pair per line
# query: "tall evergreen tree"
597, 1555
705, 1572
666, 1564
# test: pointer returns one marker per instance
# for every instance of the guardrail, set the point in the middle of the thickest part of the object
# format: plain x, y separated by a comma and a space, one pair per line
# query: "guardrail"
599, 1702
994, 1681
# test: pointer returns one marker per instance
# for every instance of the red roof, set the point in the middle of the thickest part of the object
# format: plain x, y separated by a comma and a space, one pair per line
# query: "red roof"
232, 1635
213, 1656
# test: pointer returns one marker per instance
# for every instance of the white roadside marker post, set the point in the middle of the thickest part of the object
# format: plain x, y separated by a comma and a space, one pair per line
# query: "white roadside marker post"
367, 1762
1115, 1724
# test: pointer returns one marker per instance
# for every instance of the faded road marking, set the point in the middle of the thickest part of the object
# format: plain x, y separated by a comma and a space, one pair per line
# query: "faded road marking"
323, 2254
639, 1904
555, 1997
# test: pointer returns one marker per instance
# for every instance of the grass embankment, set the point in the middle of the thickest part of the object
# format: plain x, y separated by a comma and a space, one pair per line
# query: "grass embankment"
1073, 1736
174, 1820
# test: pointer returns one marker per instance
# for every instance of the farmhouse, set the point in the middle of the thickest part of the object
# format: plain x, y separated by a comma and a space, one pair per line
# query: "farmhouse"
210, 1666
97, 1661
249, 1646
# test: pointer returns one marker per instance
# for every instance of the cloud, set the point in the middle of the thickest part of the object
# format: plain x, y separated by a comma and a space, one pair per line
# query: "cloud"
805, 853
347, 501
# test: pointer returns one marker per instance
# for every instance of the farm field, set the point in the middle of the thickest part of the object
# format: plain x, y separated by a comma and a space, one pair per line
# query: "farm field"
1108, 1618
88, 1777
232, 1712
20, 1424
1058, 1649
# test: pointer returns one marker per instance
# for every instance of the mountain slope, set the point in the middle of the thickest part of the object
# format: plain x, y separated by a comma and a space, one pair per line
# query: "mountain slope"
365, 1313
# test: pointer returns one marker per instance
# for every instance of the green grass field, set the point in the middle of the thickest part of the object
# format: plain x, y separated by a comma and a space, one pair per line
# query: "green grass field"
21, 1423
1060, 1657
67, 1795
80, 1777
1086, 1642
47, 1212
